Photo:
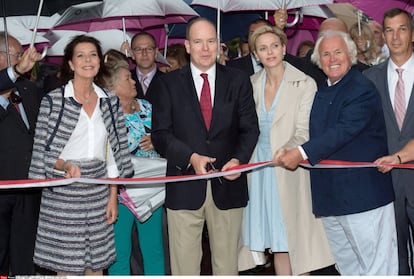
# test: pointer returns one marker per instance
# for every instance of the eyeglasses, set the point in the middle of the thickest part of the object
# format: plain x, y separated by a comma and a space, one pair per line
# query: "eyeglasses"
140, 50
18, 55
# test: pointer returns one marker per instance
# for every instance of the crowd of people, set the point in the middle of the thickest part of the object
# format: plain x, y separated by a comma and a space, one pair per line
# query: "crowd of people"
346, 97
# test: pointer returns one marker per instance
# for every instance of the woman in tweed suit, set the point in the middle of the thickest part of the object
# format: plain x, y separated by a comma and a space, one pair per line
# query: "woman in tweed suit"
80, 133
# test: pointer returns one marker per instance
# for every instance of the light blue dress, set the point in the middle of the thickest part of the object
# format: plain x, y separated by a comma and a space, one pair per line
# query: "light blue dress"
264, 226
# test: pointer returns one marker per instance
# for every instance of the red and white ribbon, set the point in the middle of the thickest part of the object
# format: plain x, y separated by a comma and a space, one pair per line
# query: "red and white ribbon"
146, 182
33, 183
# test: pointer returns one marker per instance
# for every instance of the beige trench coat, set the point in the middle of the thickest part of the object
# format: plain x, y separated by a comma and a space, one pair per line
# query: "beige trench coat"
308, 246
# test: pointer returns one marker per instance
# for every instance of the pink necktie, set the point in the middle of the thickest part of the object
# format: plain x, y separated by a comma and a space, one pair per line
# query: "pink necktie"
205, 101
399, 100
143, 84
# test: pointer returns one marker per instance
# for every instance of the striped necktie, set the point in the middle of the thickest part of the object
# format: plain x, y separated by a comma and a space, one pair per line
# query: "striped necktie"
399, 99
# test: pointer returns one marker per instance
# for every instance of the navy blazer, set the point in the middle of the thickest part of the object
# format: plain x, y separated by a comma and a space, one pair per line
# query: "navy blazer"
243, 63
179, 131
347, 123
16, 141
150, 95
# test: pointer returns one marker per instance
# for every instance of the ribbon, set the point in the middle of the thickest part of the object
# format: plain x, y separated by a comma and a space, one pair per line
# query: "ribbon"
33, 183
145, 182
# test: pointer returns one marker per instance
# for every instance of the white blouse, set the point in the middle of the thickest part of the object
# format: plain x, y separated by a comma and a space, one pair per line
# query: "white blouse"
89, 139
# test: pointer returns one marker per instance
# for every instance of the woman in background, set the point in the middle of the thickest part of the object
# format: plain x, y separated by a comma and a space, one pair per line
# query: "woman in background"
368, 51
137, 114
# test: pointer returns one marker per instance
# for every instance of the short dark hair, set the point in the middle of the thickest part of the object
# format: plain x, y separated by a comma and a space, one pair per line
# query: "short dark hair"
66, 72
195, 20
144, 34
395, 12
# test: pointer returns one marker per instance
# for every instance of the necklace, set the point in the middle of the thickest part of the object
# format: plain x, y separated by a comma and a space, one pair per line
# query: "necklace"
86, 99
133, 106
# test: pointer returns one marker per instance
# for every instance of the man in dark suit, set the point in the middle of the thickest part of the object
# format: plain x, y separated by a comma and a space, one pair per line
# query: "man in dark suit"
144, 51
347, 123
19, 105
398, 27
204, 118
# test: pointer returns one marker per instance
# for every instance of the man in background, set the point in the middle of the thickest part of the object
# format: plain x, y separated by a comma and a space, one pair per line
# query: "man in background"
19, 106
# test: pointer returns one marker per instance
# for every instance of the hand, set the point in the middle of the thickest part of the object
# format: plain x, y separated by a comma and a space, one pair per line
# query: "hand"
200, 162
29, 58
230, 164
125, 48
390, 159
277, 156
290, 159
280, 16
145, 143
112, 206
71, 170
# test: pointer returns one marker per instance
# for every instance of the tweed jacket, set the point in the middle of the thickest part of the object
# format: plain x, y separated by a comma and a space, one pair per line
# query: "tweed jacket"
56, 121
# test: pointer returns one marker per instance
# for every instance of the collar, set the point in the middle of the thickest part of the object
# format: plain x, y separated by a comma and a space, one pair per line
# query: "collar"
149, 75
196, 72
408, 66
70, 92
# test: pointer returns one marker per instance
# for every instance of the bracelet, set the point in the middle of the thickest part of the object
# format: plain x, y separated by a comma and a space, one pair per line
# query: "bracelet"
16, 71
399, 158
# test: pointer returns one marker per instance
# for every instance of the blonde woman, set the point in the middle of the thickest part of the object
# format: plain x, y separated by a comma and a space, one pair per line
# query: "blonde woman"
368, 51
279, 214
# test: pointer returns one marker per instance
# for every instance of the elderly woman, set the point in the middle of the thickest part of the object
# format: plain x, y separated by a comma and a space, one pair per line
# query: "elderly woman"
279, 214
137, 114
347, 123
80, 132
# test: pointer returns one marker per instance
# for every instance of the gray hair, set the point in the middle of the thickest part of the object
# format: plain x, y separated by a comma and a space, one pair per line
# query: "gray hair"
350, 44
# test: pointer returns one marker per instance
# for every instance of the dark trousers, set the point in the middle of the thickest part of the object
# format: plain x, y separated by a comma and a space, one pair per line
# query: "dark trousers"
19, 212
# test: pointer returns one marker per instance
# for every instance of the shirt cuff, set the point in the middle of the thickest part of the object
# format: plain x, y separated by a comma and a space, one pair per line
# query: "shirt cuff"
4, 102
303, 153
10, 72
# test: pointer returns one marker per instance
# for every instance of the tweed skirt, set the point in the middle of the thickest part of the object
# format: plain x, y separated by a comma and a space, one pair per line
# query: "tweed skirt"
72, 232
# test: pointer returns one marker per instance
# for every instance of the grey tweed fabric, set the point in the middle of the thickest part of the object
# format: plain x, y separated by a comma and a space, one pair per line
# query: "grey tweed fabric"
72, 232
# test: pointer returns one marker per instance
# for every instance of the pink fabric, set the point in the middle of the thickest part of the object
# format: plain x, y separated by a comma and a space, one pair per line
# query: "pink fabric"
399, 99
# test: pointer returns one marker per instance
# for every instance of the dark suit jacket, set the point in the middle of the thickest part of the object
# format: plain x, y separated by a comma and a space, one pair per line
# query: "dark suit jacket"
347, 123
151, 94
306, 66
179, 131
16, 140
243, 63
402, 178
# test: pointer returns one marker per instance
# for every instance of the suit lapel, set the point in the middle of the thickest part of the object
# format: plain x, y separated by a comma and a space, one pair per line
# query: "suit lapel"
191, 94
219, 97
410, 111
30, 101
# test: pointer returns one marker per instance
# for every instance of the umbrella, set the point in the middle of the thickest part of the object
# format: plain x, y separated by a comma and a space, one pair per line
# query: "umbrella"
257, 5
234, 24
109, 40
60, 38
347, 12
30, 7
137, 14
376, 9
22, 33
